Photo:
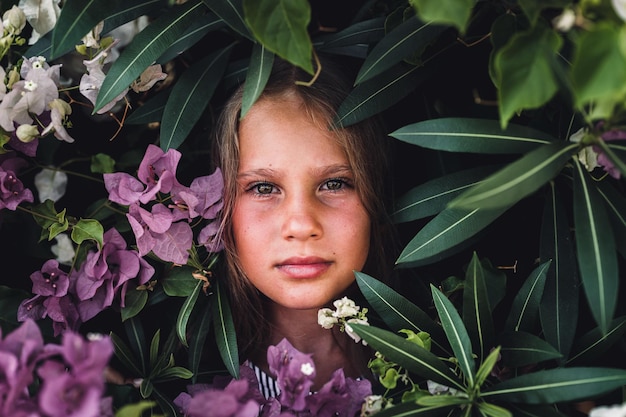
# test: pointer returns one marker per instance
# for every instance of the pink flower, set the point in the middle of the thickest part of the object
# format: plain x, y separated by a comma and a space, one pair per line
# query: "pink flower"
12, 191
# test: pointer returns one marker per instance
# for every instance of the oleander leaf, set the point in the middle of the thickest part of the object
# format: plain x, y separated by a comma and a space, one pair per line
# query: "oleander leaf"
477, 309
525, 307
225, 335
259, 71
520, 348
231, 12
185, 312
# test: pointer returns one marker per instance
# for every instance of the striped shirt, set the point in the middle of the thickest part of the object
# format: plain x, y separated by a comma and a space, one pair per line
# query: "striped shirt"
267, 385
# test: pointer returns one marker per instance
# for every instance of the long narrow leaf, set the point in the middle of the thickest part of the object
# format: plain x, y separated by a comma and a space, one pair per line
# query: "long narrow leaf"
398, 312
185, 312
231, 12
411, 409
557, 385
456, 333
225, 331
446, 231
190, 97
558, 309
124, 354
594, 343
196, 31
531, 410
595, 247
519, 179
366, 32
258, 73
145, 48
411, 36
137, 340
151, 111
408, 355
615, 203
459, 134
477, 309
525, 308
131, 10
196, 344
521, 348
432, 197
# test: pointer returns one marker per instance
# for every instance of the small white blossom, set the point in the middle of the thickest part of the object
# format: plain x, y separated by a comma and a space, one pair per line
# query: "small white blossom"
64, 249
350, 331
609, 411
42, 15
371, 405
587, 156
436, 388
565, 21
307, 369
345, 308
92, 38
50, 184
326, 319
620, 8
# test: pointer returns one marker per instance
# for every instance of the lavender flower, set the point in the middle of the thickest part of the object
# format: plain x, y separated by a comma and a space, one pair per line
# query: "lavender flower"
294, 371
12, 191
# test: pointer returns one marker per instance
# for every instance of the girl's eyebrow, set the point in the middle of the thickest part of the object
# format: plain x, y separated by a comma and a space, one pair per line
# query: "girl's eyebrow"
260, 172
325, 171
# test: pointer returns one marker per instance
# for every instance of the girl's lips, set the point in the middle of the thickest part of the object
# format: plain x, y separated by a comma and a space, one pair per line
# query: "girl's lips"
303, 267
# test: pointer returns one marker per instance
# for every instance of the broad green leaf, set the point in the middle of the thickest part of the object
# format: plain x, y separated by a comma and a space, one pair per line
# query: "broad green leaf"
380, 93
533, 8
557, 385
145, 48
411, 409
137, 340
432, 197
595, 247
225, 331
231, 12
179, 282
558, 309
88, 229
521, 348
366, 32
459, 134
151, 111
448, 12
517, 180
281, 26
599, 65
196, 31
408, 355
102, 163
525, 308
197, 340
524, 71
185, 312
457, 334
134, 301
477, 309
398, 312
593, 344
446, 231
259, 71
412, 36
123, 353
190, 97
134, 410
615, 204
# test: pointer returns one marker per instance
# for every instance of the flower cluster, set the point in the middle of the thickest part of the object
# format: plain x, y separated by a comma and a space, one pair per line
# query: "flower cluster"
71, 299
12, 190
69, 377
160, 209
294, 372
345, 313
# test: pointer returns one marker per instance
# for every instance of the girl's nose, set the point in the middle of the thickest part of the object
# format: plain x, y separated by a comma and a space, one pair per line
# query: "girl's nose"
301, 219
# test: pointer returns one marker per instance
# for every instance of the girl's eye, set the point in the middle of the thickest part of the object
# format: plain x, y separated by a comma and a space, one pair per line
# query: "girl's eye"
334, 184
262, 188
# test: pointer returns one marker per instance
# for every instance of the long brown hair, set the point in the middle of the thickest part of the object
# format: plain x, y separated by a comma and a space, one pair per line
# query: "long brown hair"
364, 144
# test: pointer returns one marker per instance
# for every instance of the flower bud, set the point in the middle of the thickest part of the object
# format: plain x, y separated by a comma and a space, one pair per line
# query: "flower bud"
14, 20
14, 76
26, 133
61, 106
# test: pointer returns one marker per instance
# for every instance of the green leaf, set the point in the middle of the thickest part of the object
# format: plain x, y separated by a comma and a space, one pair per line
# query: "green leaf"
492, 410
281, 26
124, 354
396, 311
408, 355
131, 10
615, 204
432, 197
443, 233
46, 216
134, 410
185, 312
524, 71
533, 8
522, 348
613, 157
525, 308
231, 12
190, 96
477, 309
459, 134
145, 48
175, 372
381, 92
145, 388
179, 282
137, 340
457, 334
595, 247
448, 12
259, 71
517, 180
154, 348
558, 309
225, 331
196, 31
599, 65
102, 163
411, 409
442, 400
134, 301
198, 338
485, 368
151, 111
365, 32
594, 344
557, 385
412, 36
529, 410
88, 229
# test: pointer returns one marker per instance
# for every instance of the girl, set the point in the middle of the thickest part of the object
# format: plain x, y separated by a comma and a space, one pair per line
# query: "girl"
304, 209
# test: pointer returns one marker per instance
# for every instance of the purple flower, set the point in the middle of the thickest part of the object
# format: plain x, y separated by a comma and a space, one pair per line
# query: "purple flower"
340, 396
294, 371
123, 188
603, 160
50, 281
158, 171
203, 197
12, 191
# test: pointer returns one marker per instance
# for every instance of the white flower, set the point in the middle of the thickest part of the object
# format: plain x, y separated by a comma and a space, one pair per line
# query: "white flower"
92, 38
325, 318
148, 78
620, 8
26, 133
436, 388
42, 15
50, 184
14, 20
565, 21
350, 331
371, 405
64, 249
345, 308
587, 156
612, 411
307, 369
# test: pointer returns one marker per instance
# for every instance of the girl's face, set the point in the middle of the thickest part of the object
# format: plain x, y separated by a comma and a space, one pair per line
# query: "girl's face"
300, 228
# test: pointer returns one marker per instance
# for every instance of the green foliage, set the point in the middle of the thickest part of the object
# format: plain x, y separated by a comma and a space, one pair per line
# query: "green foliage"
451, 12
